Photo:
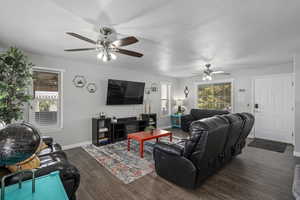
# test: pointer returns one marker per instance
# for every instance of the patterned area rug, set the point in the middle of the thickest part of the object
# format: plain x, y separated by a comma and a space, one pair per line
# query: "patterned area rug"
126, 166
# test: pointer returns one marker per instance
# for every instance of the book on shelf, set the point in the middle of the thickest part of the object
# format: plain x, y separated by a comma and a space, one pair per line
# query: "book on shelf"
101, 134
103, 140
101, 130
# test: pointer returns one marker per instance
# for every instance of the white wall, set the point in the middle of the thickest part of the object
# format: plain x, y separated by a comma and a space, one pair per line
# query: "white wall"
297, 104
242, 79
79, 106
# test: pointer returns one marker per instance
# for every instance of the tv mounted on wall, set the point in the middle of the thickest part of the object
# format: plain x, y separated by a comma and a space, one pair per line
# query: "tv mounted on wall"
125, 92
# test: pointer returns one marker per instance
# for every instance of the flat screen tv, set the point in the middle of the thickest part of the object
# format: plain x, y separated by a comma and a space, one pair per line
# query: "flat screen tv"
125, 92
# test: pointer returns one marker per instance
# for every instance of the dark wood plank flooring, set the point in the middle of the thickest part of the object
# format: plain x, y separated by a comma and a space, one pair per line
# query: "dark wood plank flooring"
254, 175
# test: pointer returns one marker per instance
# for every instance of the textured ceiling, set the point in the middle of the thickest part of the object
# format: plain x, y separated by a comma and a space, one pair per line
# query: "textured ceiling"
177, 37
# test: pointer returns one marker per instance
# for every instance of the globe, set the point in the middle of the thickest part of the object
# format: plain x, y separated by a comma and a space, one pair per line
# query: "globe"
18, 142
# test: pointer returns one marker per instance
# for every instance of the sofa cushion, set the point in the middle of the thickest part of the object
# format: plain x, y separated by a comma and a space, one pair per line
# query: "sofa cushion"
208, 137
248, 122
217, 130
205, 113
234, 133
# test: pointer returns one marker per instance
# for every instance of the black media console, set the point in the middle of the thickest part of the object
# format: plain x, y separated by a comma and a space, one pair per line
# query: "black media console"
105, 131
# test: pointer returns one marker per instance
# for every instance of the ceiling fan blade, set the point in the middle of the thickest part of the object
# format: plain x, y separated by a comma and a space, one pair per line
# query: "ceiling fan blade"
81, 49
81, 37
129, 53
220, 72
125, 41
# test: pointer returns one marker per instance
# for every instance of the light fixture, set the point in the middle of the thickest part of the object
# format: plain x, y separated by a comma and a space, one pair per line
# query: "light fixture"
100, 55
206, 77
106, 55
105, 58
113, 56
186, 91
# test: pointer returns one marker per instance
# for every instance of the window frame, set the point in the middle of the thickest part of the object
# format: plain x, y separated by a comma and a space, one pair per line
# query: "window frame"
231, 81
169, 99
59, 126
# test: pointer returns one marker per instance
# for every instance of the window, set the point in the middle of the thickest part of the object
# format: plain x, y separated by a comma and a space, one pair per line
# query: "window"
165, 99
215, 96
46, 106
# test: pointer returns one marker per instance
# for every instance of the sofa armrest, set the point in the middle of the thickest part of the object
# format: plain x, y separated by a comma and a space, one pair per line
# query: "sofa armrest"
185, 118
186, 121
171, 165
171, 149
47, 140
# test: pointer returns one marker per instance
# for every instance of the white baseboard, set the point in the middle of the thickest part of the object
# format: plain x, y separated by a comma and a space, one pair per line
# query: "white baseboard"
296, 154
71, 146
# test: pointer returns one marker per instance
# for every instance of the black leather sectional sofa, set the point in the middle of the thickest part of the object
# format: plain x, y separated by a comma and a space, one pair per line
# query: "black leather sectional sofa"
214, 142
52, 159
197, 114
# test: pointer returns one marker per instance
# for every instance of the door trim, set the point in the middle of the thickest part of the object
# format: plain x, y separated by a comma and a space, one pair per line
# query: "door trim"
292, 75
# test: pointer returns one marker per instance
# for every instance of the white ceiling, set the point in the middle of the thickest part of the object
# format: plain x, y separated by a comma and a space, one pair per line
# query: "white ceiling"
177, 37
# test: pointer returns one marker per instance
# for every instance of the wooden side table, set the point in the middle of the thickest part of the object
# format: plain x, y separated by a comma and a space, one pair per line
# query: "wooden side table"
176, 120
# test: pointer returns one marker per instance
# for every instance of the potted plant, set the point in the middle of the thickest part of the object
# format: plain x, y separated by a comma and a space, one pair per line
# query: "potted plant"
149, 129
15, 77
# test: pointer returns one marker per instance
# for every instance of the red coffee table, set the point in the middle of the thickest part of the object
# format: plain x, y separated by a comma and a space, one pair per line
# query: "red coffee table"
143, 136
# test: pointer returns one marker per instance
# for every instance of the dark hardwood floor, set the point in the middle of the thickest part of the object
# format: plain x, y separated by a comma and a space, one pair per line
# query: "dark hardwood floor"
254, 175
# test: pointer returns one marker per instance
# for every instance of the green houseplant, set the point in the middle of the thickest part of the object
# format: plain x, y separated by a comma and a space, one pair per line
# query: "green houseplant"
15, 77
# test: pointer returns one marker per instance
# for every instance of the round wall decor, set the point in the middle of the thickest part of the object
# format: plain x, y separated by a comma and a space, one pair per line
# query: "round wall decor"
91, 87
79, 81
154, 87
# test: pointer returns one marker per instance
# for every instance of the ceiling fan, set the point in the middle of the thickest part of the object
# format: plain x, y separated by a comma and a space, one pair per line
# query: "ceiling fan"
207, 73
105, 46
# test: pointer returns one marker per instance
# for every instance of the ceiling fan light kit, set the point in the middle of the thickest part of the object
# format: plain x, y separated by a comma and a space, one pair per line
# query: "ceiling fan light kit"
208, 73
105, 47
206, 77
106, 56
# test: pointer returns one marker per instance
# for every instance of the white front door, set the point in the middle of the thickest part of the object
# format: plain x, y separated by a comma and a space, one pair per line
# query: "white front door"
273, 107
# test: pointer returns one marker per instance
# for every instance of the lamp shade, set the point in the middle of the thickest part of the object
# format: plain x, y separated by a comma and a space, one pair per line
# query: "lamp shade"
179, 102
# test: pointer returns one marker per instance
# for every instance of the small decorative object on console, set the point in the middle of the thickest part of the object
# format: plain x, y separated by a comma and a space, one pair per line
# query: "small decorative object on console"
91, 87
149, 129
114, 120
79, 81
102, 115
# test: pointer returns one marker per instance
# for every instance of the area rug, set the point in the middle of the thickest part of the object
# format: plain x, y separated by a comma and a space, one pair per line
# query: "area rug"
268, 145
127, 166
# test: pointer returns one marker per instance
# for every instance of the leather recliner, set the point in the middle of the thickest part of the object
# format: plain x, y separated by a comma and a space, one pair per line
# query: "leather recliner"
214, 141
52, 147
197, 114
